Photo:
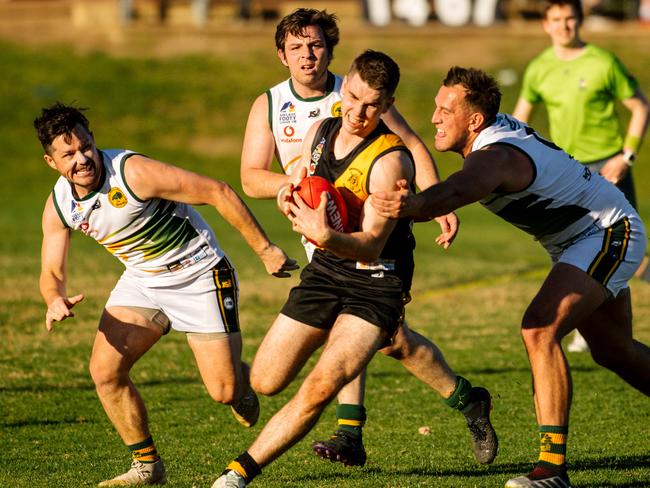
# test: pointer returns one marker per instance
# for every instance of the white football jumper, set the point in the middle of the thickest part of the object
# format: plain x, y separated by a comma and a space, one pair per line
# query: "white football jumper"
291, 116
160, 242
568, 208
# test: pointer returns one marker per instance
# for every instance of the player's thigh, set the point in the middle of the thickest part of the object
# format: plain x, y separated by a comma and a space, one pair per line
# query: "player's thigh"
217, 357
567, 296
609, 329
351, 345
123, 336
284, 350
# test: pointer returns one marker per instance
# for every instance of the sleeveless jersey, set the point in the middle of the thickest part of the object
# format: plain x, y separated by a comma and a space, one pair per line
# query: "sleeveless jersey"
291, 116
160, 242
351, 176
563, 201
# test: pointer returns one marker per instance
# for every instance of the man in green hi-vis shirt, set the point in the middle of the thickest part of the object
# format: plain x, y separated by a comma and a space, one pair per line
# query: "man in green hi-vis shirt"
579, 84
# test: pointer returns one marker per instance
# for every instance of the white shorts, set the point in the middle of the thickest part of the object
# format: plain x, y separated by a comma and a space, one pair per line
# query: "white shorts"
611, 256
205, 304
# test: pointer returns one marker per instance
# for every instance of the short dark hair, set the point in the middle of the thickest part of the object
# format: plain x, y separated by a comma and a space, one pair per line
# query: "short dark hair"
59, 119
296, 22
378, 70
576, 5
481, 90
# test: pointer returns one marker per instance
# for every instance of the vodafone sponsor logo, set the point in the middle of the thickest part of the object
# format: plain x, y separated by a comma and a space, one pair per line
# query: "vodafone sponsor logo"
289, 131
291, 140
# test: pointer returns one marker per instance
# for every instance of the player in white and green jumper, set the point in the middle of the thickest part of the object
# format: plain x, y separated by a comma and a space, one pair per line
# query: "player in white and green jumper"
176, 274
580, 85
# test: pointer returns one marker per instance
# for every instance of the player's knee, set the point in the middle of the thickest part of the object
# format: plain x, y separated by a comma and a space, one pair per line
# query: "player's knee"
105, 376
402, 345
223, 392
536, 338
319, 390
265, 384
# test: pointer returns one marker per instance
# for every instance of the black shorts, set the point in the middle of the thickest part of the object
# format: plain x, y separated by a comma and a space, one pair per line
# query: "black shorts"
323, 294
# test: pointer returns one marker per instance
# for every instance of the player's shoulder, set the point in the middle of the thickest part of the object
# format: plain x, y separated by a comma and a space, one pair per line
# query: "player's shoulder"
599, 52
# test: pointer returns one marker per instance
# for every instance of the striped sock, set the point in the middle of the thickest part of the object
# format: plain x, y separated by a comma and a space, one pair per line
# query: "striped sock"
350, 418
144, 451
246, 466
552, 446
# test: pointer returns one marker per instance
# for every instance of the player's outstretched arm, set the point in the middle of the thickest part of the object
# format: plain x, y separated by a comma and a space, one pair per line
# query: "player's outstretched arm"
257, 178
426, 171
54, 253
483, 172
153, 179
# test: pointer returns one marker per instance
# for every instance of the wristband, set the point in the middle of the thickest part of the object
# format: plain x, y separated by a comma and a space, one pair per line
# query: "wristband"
632, 143
629, 157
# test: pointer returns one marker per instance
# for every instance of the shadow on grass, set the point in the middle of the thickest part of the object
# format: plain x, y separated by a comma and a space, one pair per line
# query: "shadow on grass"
89, 386
618, 463
44, 422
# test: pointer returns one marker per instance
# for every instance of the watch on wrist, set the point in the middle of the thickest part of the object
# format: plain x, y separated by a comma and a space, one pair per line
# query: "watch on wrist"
629, 157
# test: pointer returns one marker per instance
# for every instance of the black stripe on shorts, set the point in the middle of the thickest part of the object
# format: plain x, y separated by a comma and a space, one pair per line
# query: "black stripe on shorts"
225, 282
612, 253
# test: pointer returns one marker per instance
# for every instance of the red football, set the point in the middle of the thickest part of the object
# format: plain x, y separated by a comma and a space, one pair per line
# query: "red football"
310, 189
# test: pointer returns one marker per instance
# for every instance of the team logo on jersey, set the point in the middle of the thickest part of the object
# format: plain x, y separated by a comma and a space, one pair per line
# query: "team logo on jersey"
288, 113
336, 109
353, 181
76, 212
117, 198
315, 156
314, 113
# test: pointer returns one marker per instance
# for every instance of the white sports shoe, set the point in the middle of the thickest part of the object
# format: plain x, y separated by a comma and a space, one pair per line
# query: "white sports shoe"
525, 482
231, 479
578, 343
140, 474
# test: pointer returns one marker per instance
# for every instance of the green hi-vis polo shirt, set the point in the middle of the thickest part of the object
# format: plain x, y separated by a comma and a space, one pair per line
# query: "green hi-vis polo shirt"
580, 97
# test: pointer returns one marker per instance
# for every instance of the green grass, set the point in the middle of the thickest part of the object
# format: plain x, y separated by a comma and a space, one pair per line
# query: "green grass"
191, 110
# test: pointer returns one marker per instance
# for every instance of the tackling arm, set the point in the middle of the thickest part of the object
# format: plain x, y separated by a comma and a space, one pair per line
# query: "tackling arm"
54, 256
484, 171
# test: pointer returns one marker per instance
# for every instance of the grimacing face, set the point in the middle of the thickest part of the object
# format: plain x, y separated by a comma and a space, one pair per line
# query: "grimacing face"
77, 159
306, 56
361, 106
451, 119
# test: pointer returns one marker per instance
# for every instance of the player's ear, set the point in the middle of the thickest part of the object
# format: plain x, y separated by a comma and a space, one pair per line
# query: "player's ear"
282, 57
49, 160
388, 103
476, 121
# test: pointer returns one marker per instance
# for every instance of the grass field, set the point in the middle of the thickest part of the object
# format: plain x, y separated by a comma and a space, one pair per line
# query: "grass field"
191, 109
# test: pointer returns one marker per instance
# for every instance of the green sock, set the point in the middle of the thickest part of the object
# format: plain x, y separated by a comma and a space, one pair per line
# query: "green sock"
460, 399
350, 418
144, 451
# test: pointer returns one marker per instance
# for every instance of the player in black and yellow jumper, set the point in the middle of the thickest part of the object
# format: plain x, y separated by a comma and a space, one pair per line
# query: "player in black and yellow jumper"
351, 294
